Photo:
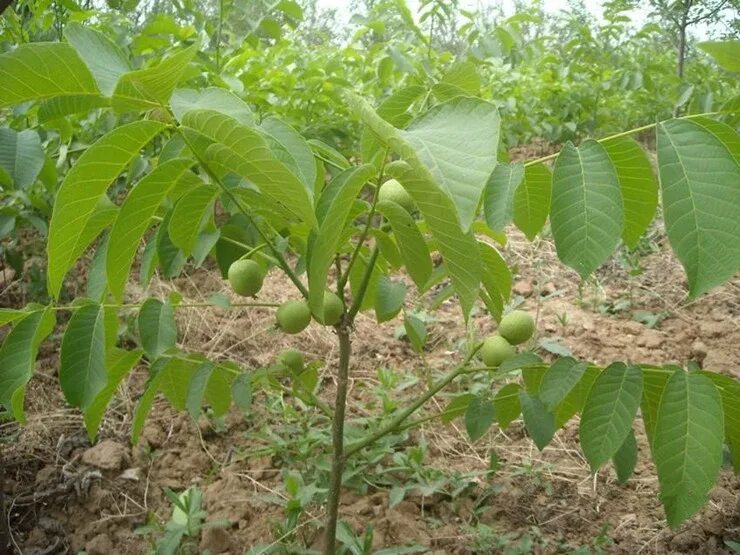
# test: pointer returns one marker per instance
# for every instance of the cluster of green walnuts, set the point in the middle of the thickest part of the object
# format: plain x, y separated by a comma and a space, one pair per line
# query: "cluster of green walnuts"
515, 328
246, 278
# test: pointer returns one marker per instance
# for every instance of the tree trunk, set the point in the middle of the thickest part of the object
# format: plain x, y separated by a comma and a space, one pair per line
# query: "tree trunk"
681, 50
335, 485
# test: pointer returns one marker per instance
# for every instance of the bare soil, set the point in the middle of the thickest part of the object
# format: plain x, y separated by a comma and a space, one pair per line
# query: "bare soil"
65, 496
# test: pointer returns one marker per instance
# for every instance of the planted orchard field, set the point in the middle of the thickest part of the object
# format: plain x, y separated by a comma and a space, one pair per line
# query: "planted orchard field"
431, 486
273, 285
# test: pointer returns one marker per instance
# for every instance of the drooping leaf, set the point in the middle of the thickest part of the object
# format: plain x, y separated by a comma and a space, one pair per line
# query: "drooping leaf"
389, 298
411, 243
498, 200
609, 411
654, 382
625, 459
586, 214
18, 355
97, 284
479, 416
292, 150
119, 363
638, 186
540, 423
157, 327
82, 372
197, 388
729, 391
171, 259
346, 188
532, 200
459, 250
144, 404
103, 57
726, 53
82, 190
687, 447
456, 407
496, 277
244, 151
559, 380
40, 70
241, 391
190, 215
576, 398
456, 142
416, 331
21, 155
507, 405
151, 87
701, 202
135, 217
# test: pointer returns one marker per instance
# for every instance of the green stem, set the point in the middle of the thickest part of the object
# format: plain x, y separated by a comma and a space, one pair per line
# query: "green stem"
412, 408
619, 135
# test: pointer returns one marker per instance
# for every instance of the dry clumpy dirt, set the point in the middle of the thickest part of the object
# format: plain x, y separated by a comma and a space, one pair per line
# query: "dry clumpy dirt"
66, 496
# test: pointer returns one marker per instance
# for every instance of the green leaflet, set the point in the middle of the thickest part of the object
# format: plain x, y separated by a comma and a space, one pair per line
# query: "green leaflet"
532, 200
496, 277
638, 186
586, 213
18, 354
625, 459
559, 380
507, 404
725, 53
540, 423
729, 390
701, 202
654, 381
103, 57
151, 87
82, 190
609, 411
687, 447
21, 156
211, 98
135, 217
292, 150
82, 372
244, 151
63, 106
459, 250
190, 215
41, 70
479, 416
455, 144
389, 298
119, 363
344, 190
576, 398
498, 199
157, 327
411, 243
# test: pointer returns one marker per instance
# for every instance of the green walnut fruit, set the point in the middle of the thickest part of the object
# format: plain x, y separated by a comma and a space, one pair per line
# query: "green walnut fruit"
332, 310
392, 190
293, 316
496, 350
516, 327
246, 277
291, 359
